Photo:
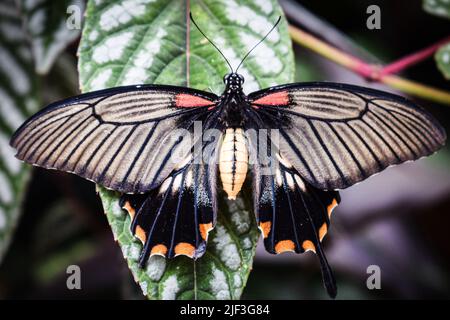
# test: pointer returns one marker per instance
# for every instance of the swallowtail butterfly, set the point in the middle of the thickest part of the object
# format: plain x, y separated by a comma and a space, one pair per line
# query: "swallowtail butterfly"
311, 140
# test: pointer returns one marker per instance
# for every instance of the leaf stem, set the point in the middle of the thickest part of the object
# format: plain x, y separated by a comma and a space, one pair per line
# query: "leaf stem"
413, 58
374, 72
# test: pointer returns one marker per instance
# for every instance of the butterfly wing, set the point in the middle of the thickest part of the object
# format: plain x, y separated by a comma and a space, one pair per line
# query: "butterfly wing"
122, 138
175, 218
320, 137
336, 135
291, 214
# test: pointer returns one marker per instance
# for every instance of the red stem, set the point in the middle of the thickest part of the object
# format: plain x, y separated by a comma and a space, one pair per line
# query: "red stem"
411, 59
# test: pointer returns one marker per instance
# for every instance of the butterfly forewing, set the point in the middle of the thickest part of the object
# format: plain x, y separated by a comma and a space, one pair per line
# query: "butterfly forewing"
120, 138
336, 135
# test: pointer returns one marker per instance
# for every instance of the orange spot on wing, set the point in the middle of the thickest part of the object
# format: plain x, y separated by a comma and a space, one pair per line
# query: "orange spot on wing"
308, 245
183, 100
280, 98
323, 231
331, 207
159, 249
265, 228
127, 206
185, 248
140, 234
284, 245
204, 228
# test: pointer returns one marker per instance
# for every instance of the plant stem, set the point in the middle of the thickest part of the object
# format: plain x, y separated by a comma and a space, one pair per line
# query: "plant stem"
374, 72
412, 59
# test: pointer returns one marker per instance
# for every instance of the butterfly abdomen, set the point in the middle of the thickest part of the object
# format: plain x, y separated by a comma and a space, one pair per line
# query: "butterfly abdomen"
233, 161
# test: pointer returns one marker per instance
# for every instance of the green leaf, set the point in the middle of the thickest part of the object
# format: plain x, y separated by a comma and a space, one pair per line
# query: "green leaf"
50, 28
439, 8
220, 274
18, 100
442, 57
145, 42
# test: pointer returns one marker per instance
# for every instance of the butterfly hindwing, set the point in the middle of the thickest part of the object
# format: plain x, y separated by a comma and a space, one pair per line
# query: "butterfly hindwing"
175, 218
172, 220
291, 214
336, 135
117, 137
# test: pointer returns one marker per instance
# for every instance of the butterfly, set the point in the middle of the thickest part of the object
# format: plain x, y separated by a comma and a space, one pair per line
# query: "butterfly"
299, 143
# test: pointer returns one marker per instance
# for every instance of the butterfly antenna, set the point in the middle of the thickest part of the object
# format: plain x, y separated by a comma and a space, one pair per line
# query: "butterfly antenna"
195, 24
264, 38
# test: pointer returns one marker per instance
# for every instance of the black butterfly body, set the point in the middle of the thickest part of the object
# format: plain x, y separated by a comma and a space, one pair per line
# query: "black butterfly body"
310, 140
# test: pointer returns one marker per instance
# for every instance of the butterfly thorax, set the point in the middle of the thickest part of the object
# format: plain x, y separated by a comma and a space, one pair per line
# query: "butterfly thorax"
232, 106
232, 102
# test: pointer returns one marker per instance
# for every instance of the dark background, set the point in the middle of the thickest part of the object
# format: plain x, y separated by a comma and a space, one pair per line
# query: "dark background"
397, 220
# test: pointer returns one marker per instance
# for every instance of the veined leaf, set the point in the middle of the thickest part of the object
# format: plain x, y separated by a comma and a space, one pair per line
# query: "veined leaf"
50, 28
439, 8
153, 41
18, 100
442, 57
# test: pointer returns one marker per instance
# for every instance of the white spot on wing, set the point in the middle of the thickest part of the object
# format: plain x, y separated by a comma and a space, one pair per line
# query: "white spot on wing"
290, 181
278, 178
184, 162
177, 183
165, 185
189, 177
300, 182
283, 161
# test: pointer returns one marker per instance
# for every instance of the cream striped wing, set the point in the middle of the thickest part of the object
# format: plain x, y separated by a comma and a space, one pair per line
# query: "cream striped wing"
336, 135
122, 138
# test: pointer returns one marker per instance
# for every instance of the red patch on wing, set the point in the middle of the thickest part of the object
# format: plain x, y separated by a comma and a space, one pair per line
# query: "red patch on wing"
280, 98
183, 100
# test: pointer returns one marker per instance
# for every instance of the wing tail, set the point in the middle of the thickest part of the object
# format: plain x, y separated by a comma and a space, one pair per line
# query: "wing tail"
294, 216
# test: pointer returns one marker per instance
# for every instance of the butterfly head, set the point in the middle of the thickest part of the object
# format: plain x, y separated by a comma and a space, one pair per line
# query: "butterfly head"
233, 81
